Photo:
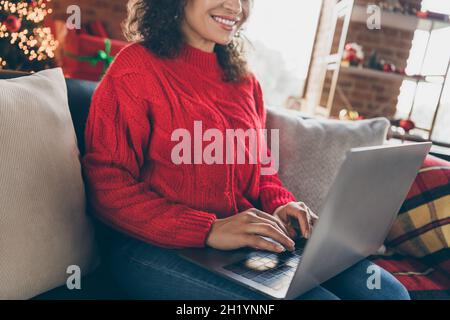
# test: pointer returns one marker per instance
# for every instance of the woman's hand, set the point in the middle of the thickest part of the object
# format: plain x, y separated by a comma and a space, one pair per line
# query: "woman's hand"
247, 229
296, 213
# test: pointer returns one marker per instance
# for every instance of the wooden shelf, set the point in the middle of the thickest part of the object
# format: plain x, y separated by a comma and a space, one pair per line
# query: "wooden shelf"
398, 20
378, 74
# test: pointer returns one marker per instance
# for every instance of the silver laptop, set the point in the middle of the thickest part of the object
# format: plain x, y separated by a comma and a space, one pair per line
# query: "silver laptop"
355, 219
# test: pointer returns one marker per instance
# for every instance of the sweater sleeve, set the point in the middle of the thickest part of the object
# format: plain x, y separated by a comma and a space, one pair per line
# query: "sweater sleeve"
272, 193
117, 135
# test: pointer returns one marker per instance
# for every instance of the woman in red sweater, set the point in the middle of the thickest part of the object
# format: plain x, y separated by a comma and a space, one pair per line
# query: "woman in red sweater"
183, 70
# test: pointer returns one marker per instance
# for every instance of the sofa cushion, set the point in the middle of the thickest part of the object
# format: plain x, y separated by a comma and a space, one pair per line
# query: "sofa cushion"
312, 150
422, 228
80, 94
43, 225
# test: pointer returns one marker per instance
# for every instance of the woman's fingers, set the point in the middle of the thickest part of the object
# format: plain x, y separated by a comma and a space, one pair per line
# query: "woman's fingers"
267, 230
303, 206
313, 217
259, 243
257, 219
269, 217
301, 215
304, 224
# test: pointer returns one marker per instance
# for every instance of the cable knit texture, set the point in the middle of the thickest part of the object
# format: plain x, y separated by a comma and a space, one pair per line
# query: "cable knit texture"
134, 185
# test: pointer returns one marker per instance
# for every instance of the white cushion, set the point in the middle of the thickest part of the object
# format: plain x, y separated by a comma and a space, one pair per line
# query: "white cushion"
43, 225
312, 150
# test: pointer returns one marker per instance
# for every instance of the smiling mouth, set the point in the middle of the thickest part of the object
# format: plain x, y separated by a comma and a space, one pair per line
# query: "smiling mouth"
230, 23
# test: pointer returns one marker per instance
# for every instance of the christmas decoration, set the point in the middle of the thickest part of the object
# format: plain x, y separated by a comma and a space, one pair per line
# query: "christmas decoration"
97, 28
373, 62
353, 55
405, 124
25, 43
13, 23
103, 56
87, 56
382, 65
400, 6
412, 8
433, 15
401, 128
391, 5
347, 114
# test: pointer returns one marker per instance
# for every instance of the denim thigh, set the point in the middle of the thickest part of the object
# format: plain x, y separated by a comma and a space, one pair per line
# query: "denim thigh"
149, 272
358, 283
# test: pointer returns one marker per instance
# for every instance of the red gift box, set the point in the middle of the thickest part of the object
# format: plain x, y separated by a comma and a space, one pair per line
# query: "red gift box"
86, 57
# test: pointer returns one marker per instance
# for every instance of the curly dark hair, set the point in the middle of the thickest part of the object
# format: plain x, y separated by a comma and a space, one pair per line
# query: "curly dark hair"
156, 24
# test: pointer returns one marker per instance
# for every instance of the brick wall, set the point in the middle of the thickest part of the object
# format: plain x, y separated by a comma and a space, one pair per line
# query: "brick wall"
369, 95
110, 12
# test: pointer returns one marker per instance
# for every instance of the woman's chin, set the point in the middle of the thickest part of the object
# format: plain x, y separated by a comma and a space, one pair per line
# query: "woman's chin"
224, 42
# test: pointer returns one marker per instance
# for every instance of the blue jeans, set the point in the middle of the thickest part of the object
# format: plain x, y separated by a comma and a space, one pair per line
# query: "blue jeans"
148, 272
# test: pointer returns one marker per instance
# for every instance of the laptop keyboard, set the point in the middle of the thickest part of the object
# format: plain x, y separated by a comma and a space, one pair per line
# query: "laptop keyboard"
269, 269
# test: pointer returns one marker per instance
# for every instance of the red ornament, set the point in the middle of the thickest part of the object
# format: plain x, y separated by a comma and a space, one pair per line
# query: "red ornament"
13, 23
407, 125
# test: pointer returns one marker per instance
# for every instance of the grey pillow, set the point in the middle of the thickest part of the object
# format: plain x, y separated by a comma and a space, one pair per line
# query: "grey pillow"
312, 150
43, 225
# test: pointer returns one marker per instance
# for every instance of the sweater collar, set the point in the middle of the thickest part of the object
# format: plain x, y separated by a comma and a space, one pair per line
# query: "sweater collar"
206, 61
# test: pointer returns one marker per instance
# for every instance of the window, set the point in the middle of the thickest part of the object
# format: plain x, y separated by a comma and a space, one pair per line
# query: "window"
282, 34
429, 57
436, 6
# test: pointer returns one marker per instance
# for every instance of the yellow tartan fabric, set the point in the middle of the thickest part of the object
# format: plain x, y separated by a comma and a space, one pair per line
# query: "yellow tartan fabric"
423, 224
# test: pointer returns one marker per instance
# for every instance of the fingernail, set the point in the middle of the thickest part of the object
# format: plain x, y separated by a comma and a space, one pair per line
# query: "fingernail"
280, 249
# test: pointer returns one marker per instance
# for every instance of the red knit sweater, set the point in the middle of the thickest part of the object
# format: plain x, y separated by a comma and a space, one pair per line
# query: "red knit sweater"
133, 183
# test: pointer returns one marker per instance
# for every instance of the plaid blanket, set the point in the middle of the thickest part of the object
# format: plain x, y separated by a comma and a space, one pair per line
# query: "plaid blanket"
419, 241
426, 278
423, 225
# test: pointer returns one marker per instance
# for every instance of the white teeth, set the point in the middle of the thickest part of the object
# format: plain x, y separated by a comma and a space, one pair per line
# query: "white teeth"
225, 21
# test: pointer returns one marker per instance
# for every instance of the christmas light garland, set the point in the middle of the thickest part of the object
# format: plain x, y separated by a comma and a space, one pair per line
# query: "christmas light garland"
22, 36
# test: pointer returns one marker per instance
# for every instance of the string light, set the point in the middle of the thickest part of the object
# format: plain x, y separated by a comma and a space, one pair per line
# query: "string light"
2, 63
36, 44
